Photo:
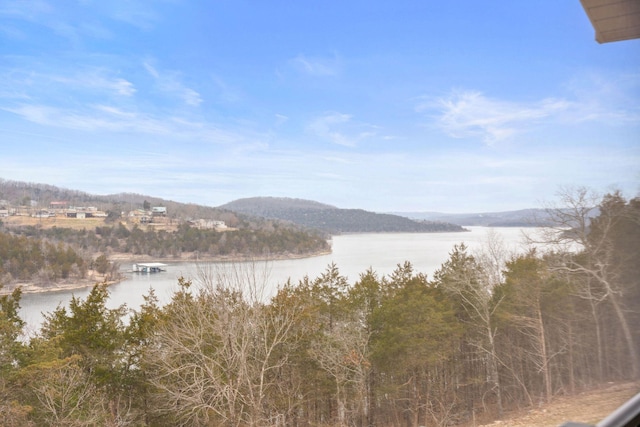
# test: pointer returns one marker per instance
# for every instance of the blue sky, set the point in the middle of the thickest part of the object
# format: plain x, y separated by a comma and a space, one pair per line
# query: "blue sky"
460, 106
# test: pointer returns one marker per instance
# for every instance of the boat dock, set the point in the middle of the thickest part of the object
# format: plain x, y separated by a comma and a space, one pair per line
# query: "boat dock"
149, 267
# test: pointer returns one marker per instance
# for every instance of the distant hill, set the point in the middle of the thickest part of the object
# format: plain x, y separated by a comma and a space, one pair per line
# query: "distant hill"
518, 218
331, 219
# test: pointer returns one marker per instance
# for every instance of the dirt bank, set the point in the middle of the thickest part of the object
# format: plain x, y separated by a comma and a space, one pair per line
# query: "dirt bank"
588, 407
34, 288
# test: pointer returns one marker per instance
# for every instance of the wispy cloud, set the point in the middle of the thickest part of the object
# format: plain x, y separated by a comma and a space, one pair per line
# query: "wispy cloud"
591, 98
609, 99
106, 118
464, 114
225, 93
169, 82
339, 128
99, 118
316, 66
56, 17
137, 13
62, 86
281, 119
28, 10
96, 80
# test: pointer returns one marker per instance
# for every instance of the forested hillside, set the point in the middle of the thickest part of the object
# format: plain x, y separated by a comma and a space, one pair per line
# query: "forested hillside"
26, 259
44, 256
54, 248
16, 193
331, 219
489, 332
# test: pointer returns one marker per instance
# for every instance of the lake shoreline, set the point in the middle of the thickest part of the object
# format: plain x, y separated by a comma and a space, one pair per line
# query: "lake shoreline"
33, 288
95, 278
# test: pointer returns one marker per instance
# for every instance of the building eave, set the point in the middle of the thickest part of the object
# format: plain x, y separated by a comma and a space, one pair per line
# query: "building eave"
613, 20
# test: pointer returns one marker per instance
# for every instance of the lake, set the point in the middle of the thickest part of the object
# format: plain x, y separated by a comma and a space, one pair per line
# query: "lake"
353, 254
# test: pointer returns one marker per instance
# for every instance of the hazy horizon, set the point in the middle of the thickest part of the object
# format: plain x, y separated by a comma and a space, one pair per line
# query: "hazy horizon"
409, 106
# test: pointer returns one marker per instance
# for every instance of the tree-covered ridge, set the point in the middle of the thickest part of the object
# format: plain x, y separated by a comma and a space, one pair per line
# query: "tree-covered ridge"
45, 255
274, 240
487, 333
270, 206
330, 219
25, 259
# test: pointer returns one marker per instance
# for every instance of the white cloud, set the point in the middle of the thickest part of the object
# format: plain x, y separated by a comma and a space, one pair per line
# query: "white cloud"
123, 87
169, 83
116, 112
139, 14
27, 10
151, 70
340, 129
607, 99
96, 80
62, 85
470, 113
102, 118
281, 119
58, 19
316, 66
225, 92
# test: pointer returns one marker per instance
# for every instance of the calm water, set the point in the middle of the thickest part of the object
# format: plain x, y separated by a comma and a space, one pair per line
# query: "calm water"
352, 253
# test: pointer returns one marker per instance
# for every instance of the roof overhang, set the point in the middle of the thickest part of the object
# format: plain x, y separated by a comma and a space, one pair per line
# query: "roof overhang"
614, 20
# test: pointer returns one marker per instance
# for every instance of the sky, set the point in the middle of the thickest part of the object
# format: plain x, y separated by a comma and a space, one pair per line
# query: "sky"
449, 106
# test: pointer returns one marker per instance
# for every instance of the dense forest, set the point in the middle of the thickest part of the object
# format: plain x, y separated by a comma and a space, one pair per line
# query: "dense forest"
43, 256
27, 259
489, 332
334, 220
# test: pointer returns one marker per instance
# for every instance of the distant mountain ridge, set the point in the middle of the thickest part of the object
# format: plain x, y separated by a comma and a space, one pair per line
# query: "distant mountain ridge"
307, 213
517, 218
331, 219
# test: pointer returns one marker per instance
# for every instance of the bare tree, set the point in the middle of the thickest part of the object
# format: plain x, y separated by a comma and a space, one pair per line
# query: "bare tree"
67, 397
581, 238
472, 280
342, 352
217, 353
12, 412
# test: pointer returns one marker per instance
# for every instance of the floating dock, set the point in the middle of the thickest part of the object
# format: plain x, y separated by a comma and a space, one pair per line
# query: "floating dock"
149, 267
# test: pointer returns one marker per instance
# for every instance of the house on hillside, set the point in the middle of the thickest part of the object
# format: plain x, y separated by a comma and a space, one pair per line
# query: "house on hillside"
159, 211
208, 224
59, 206
75, 213
140, 216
